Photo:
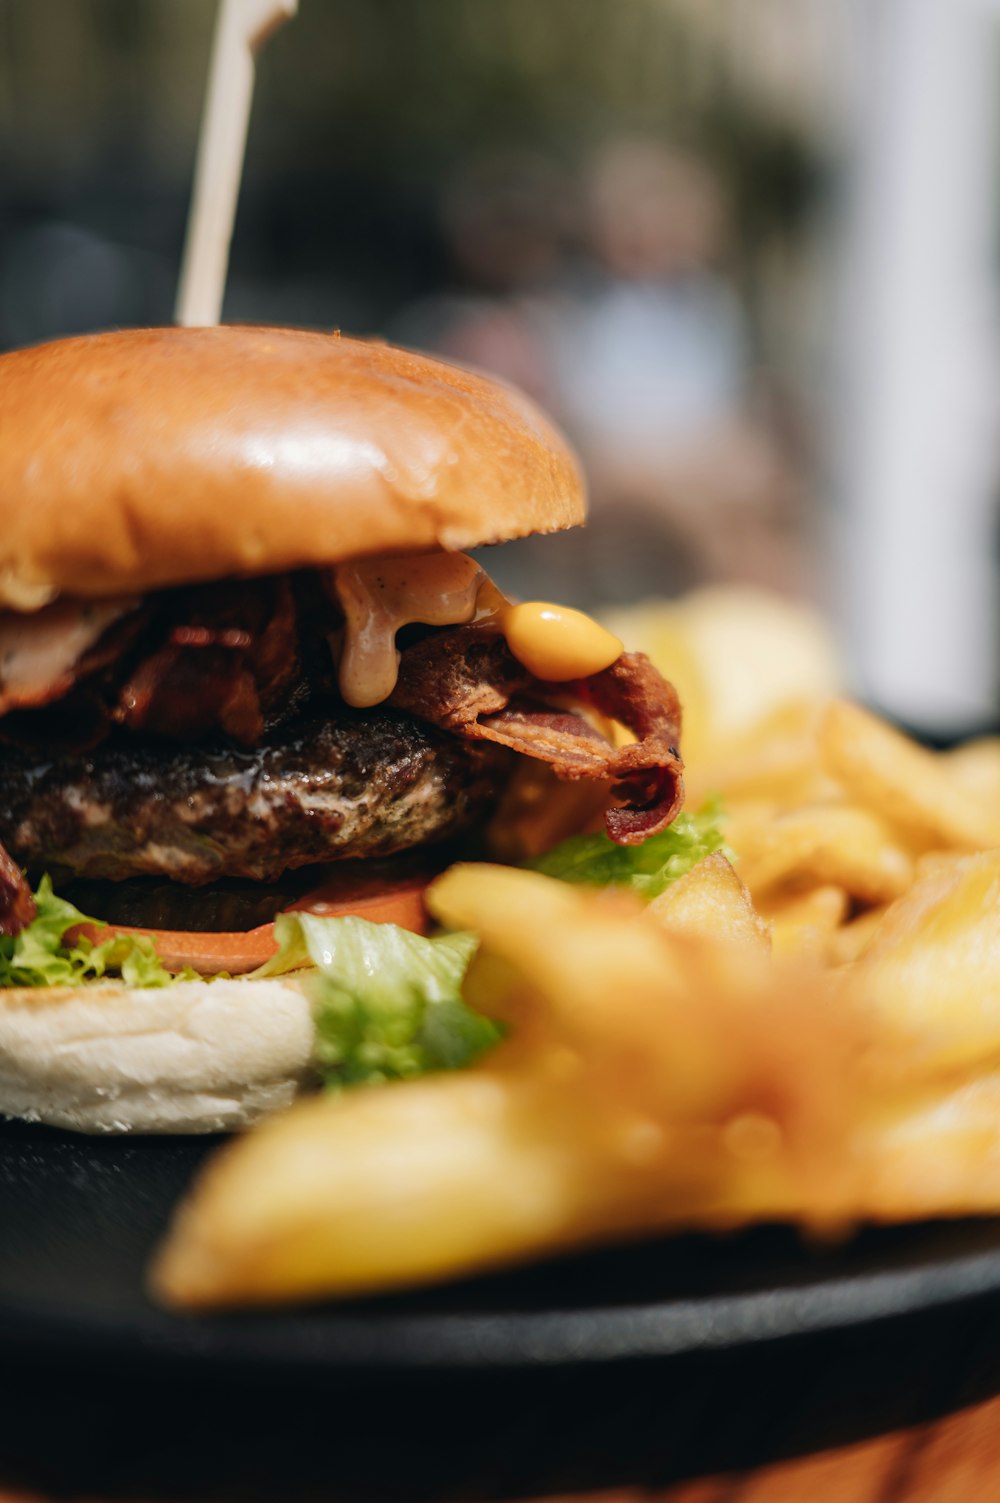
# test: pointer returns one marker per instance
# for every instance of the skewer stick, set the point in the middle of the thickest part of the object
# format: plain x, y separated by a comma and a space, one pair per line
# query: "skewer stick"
242, 27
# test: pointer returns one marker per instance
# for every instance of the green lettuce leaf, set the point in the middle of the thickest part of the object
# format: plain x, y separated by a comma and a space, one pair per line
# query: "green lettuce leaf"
648, 868
387, 1003
39, 956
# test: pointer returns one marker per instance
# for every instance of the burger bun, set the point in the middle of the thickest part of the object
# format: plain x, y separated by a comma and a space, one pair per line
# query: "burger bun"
192, 1057
153, 457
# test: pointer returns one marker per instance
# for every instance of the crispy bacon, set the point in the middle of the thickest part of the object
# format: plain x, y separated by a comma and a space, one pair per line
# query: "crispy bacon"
235, 657
17, 906
468, 682
225, 666
42, 655
180, 665
183, 692
649, 769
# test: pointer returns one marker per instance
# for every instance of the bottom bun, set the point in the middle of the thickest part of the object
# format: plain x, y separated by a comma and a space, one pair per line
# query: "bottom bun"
193, 1057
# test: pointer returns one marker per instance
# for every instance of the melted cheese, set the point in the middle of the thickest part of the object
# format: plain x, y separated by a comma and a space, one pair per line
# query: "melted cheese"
380, 596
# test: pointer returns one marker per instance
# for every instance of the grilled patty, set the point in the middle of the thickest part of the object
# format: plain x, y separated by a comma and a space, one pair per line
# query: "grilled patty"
366, 785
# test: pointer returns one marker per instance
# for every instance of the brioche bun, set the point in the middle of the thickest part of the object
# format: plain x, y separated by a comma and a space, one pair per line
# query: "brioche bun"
152, 457
194, 1057
144, 459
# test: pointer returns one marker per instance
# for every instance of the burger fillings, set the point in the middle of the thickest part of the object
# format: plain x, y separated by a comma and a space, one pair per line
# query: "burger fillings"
240, 635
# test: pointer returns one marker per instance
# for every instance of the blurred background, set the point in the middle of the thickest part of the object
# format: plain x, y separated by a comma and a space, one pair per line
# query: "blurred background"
742, 249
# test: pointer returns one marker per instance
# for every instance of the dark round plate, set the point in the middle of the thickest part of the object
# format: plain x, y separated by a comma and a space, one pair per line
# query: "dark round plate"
633, 1364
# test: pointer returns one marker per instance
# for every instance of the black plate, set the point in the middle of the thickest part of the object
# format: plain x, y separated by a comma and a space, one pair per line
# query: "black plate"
636, 1364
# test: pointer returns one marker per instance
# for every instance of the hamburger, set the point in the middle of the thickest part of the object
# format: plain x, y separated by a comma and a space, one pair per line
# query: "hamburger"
246, 667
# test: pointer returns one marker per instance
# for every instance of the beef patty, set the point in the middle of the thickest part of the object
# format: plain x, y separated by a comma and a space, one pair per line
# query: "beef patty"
314, 790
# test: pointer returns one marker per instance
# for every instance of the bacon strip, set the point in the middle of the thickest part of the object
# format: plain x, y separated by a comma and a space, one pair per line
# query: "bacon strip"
42, 655
183, 692
468, 682
650, 769
17, 906
225, 664
229, 656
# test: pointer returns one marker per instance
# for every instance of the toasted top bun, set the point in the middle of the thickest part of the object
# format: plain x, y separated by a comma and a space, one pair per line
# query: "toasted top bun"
194, 1057
151, 457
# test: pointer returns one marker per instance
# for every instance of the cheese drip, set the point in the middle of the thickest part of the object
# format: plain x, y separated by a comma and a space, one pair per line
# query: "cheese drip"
379, 596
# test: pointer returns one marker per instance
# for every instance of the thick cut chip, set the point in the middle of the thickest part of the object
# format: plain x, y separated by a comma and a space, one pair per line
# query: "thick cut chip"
711, 904
930, 975
658, 1099
803, 923
826, 845
910, 787
932, 1153
975, 767
371, 1190
656, 1012
424, 1181
736, 655
852, 940
779, 761
613, 986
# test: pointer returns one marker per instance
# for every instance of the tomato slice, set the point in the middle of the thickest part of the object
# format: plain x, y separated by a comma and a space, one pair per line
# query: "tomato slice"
398, 903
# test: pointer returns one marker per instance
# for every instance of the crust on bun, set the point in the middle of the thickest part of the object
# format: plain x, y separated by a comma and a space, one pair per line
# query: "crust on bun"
181, 715
152, 457
194, 1057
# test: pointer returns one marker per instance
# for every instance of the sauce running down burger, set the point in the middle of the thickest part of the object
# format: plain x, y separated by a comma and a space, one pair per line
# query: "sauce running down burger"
240, 636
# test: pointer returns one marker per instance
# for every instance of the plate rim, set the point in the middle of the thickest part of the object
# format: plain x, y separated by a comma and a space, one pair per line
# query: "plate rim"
382, 1341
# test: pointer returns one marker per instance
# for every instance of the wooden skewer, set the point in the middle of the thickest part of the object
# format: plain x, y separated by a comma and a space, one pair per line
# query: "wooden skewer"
242, 27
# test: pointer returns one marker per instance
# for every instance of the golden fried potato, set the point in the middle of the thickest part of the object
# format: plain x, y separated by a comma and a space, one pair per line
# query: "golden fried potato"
612, 985
935, 1152
930, 975
906, 785
975, 767
666, 1101
382, 1187
419, 1182
778, 762
665, 1025
825, 845
804, 922
851, 940
712, 905
737, 656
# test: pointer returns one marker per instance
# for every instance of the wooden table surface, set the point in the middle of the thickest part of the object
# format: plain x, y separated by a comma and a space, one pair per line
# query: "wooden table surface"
955, 1459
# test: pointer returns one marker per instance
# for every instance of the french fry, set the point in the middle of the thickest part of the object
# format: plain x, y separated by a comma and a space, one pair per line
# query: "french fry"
975, 767
667, 1025
711, 904
826, 845
908, 786
935, 1152
804, 924
749, 1045
777, 761
383, 1187
612, 985
670, 1103
738, 656
425, 1181
852, 940
930, 975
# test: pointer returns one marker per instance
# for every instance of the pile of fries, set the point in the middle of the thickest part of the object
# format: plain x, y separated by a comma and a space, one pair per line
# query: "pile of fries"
809, 1031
